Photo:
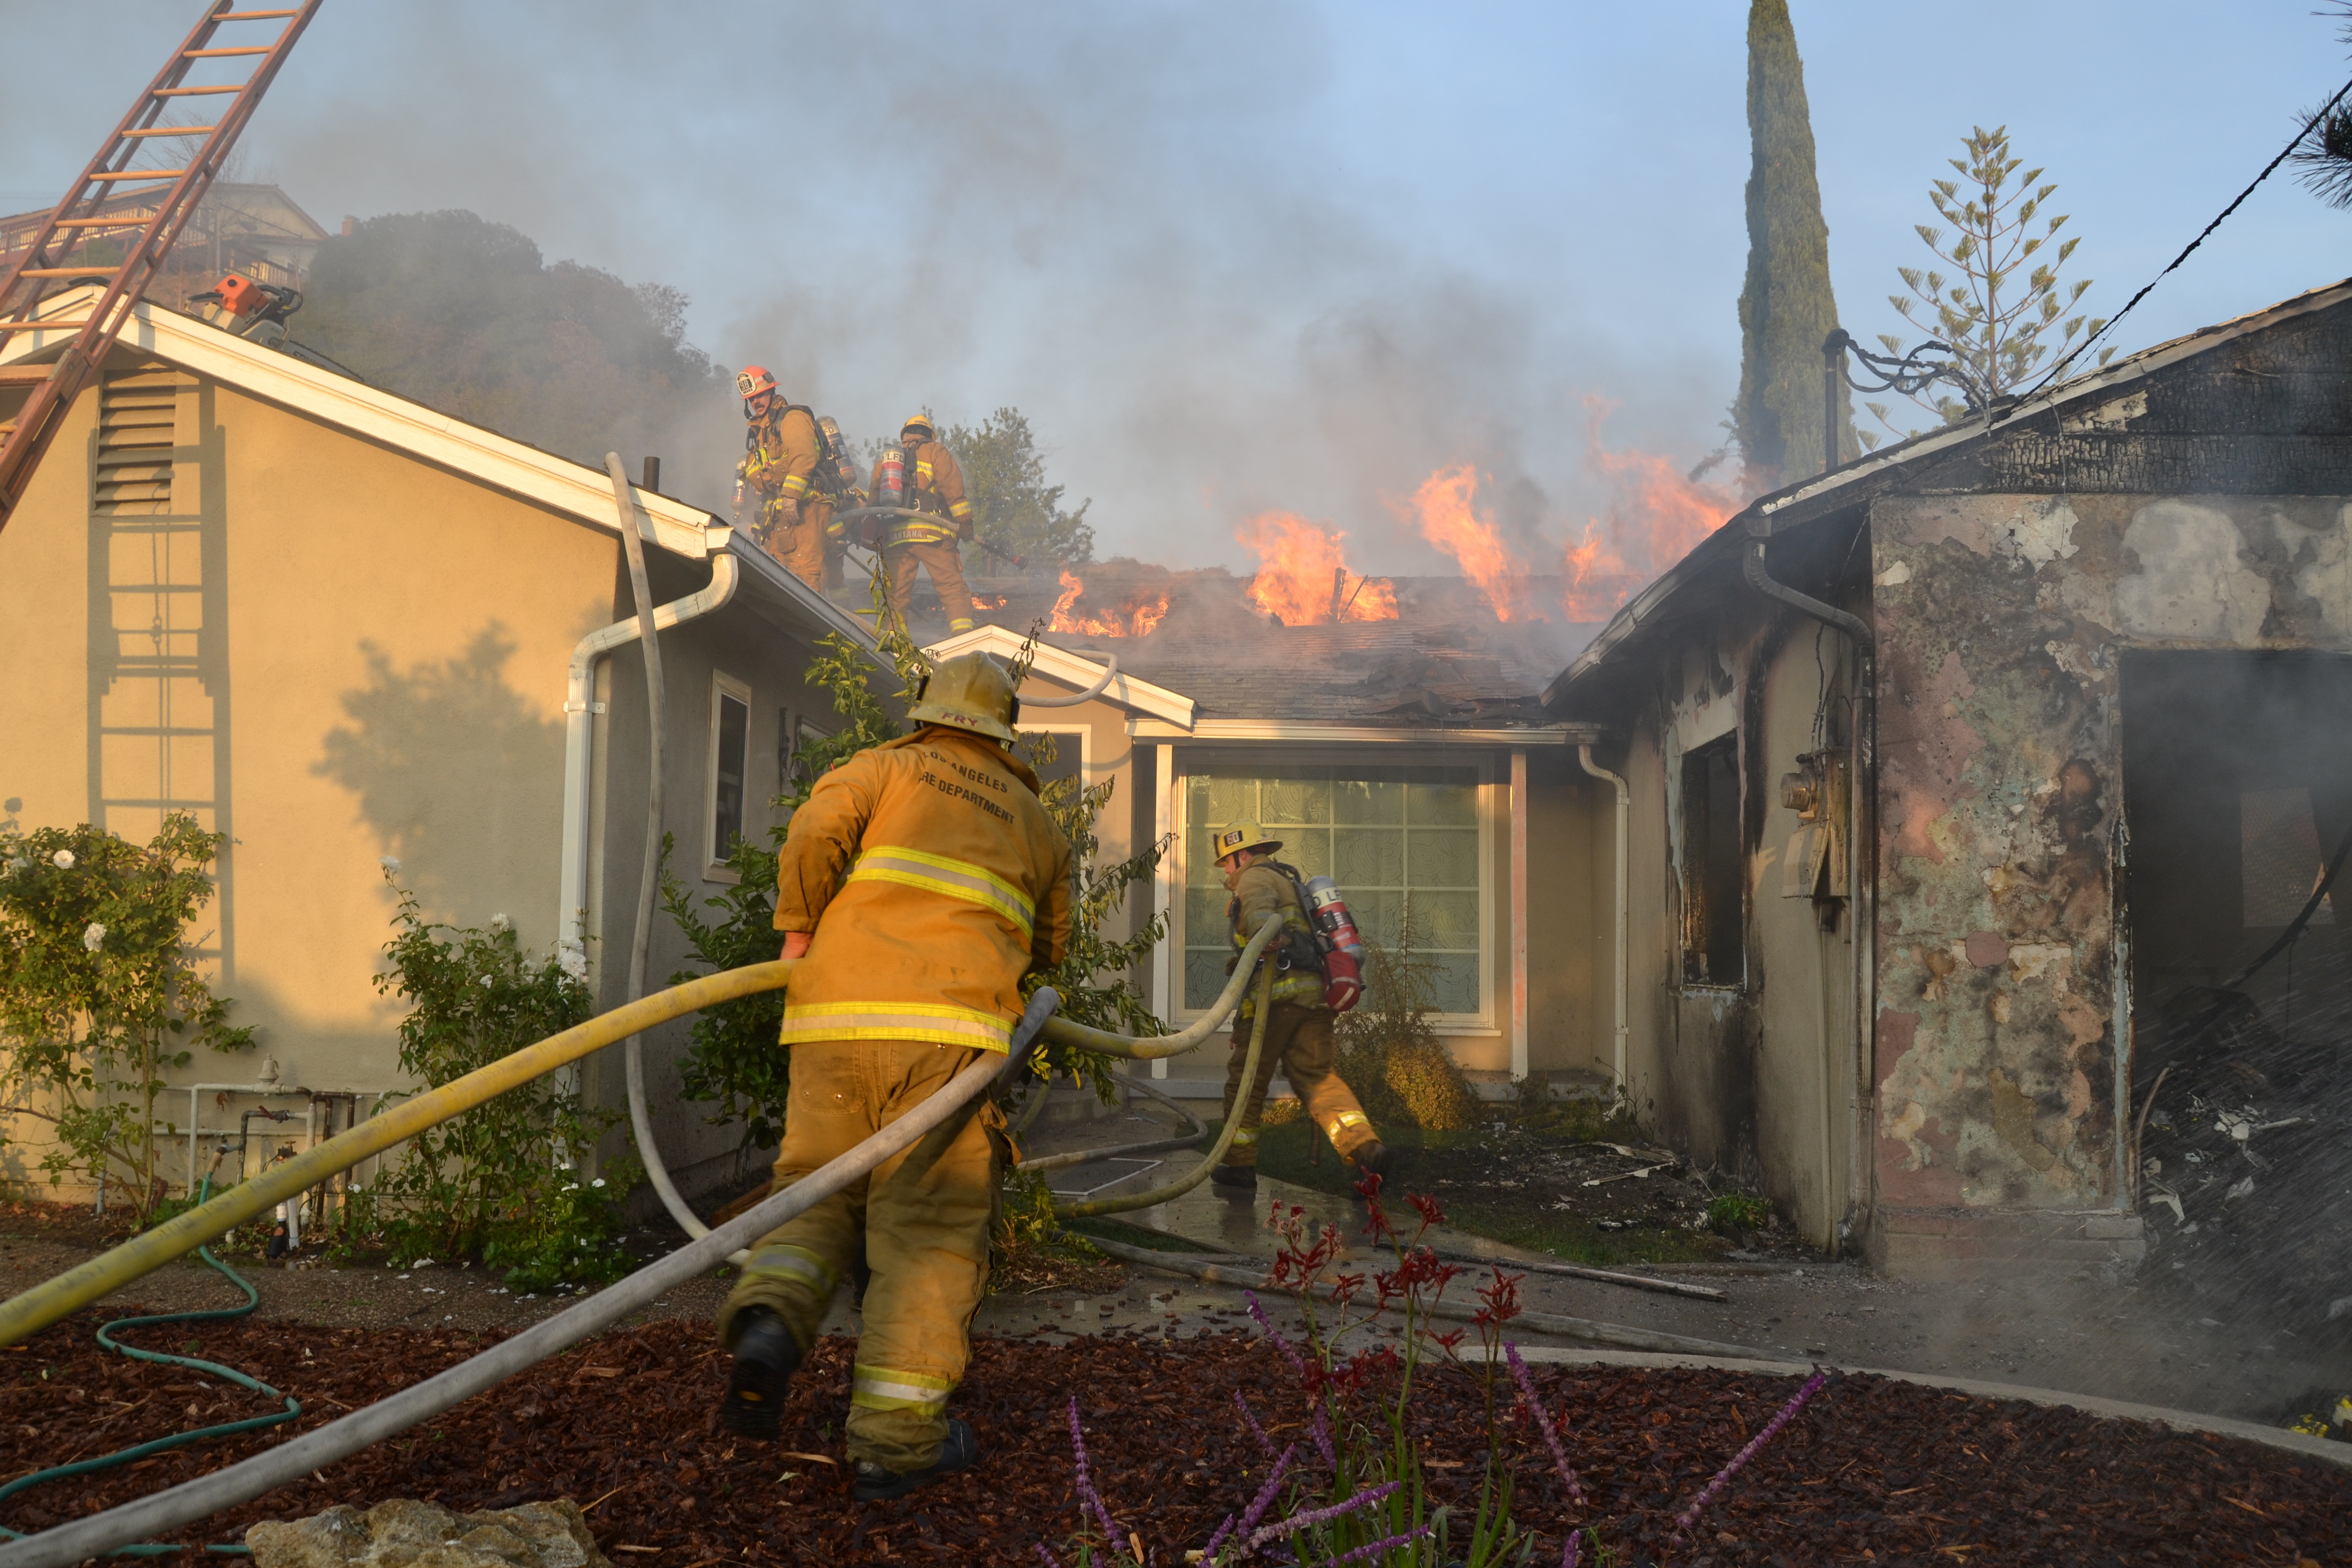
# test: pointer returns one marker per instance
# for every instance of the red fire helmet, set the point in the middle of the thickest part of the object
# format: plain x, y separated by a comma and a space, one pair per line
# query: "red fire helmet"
754, 380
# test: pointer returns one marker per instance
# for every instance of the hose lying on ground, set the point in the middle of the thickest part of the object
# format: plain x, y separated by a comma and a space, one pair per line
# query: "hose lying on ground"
339, 1439
1248, 1274
106, 1333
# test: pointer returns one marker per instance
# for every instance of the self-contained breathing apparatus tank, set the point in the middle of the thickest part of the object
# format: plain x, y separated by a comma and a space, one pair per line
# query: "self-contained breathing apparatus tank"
1343, 948
837, 463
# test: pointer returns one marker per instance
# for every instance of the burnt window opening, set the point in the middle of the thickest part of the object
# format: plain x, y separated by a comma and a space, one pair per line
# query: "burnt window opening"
1713, 947
729, 749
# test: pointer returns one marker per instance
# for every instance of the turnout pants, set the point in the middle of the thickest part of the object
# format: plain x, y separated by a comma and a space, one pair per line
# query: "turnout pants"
922, 1218
946, 567
1297, 1041
799, 547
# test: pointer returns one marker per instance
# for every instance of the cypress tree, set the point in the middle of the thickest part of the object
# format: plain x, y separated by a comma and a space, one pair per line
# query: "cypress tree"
1786, 308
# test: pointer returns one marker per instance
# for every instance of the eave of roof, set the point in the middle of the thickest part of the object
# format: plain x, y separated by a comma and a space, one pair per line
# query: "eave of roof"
1852, 484
1135, 695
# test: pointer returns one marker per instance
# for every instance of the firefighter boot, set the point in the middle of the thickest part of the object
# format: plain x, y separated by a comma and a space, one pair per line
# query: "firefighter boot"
1236, 1178
957, 1452
766, 1358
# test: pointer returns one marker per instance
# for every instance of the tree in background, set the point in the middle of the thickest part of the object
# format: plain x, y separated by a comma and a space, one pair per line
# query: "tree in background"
462, 315
1786, 308
2000, 326
1014, 507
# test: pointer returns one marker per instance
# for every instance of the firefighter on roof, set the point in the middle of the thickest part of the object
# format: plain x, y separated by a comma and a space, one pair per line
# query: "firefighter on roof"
779, 465
918, 885
932, 484
1298, 1029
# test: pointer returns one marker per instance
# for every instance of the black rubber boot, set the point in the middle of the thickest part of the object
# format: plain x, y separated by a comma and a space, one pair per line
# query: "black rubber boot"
1237, 1178
1373, 1157
766, 1358
961, 1447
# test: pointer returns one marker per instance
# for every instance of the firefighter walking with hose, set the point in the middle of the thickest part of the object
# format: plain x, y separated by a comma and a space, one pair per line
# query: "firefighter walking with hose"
918, 885
1310, 989
781, 467
921, 474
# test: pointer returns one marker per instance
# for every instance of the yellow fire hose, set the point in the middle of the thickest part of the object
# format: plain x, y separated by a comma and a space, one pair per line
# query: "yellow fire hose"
27, 1314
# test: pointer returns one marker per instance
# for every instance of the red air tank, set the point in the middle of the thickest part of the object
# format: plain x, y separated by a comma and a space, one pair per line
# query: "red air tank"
890, 488
1332, 919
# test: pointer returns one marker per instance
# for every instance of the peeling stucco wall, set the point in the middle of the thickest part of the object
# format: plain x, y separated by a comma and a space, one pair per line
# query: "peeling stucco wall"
2002, 1054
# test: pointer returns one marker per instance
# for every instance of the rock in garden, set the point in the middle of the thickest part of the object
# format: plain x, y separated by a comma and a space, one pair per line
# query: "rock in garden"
404, 1534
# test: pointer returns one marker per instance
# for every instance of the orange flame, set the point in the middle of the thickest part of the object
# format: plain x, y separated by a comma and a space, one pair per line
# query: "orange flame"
1658, 516
1302, 574
1447, 507
1136, 618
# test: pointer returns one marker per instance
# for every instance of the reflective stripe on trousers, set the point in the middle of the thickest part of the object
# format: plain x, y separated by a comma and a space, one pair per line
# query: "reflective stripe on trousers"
886, 1388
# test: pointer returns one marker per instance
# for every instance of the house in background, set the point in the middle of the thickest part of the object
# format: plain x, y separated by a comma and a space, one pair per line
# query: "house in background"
335, 625
257, 230
1407, 756
1966, 781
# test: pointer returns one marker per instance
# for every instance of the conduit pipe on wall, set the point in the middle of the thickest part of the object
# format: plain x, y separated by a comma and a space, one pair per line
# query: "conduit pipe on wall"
1860, 836
1624, 802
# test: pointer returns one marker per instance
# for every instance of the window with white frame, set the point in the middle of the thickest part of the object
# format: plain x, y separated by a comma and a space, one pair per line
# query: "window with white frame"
1393, 837
730, 757
1070, 748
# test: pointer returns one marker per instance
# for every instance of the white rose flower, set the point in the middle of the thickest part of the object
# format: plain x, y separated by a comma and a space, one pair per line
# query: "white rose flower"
93, 936
597, 1183
500, 922
63, 859
390, 863
487, 982
18, 863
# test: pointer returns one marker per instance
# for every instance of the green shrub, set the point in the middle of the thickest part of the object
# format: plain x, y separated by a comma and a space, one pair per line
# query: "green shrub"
497, 1183
99, 993
1740, 1211
1391, 1056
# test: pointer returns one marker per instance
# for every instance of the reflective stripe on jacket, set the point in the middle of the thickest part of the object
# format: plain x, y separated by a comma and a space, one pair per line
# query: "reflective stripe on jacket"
931, 880
1259, 891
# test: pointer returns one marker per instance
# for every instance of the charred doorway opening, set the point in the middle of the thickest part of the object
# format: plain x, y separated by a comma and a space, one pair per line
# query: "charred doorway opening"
2238, 796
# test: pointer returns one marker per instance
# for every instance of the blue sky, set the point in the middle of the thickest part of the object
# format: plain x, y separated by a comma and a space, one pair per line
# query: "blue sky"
1231, 256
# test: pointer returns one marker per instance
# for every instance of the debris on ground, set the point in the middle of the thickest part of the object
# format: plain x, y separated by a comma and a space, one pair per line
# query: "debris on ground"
405, 1533
625, 1422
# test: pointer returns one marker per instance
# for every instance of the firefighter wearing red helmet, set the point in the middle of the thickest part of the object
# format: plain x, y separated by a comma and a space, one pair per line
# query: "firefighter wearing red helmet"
781, 448
934, 487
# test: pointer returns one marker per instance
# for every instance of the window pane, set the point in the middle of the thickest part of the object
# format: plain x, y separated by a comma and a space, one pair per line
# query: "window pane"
1308, 849
1216, 801
1295, 800
1445, 920
1450, 805
1204, 916
1453, 981
1367, 857
1204, 976
1365, 800
1378, 915
1443, 858
734, 719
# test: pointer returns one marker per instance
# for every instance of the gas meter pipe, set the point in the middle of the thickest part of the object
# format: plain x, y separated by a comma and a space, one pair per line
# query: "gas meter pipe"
299, 1456
26, 1314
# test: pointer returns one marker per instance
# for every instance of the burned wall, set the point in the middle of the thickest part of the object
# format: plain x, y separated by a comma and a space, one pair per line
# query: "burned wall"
2003, 1056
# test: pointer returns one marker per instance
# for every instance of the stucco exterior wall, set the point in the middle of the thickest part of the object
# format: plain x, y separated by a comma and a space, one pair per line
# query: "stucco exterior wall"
2003, 1070
1569, 890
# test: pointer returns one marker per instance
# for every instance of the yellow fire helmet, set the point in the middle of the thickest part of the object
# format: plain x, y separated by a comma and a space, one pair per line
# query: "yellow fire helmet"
1238, 836
971, 692
919, 422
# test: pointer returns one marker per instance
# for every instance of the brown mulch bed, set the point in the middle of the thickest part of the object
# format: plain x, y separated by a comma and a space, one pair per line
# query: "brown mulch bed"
1871, 1471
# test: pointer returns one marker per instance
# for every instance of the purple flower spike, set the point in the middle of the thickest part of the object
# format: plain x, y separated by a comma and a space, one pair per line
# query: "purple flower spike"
1086, 1493
1052, 1560
1297, 1362
1250, 1416
1267, 1493
1374, 1549
1312, 1517
1543, 1421
1689, 1516
1321, 1433
1573, 1552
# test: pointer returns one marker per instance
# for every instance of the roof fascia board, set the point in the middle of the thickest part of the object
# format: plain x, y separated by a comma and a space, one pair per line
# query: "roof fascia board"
1127, 691
554, 482
780, 585
1223, 731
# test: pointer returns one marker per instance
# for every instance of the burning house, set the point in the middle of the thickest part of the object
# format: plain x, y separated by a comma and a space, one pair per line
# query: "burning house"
1980, 795
1390, 729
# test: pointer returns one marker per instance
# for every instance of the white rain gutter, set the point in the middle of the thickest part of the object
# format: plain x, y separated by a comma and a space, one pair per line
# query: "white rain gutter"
1624, 801
579, 720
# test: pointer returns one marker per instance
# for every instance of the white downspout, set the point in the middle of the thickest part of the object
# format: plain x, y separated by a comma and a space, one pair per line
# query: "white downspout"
579, 720
1624, 801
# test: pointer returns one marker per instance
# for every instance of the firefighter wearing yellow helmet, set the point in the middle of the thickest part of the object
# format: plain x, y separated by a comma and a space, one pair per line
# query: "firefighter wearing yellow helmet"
918, 885
1298, 1038
780, 467
934, 487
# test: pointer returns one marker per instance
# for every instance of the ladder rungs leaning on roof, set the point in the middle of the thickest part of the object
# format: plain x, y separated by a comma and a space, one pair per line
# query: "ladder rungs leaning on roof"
48, 261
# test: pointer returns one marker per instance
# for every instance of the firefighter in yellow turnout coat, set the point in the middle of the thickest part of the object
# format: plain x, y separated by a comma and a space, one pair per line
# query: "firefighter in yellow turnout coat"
1298, 1022
919, 883
935, 481
781, 448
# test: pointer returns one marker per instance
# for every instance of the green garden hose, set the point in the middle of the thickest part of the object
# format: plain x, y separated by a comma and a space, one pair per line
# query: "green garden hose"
122, 1457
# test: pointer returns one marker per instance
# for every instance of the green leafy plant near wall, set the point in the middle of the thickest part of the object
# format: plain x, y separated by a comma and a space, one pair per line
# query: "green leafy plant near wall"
100, 993
499, 1183
1390, 1053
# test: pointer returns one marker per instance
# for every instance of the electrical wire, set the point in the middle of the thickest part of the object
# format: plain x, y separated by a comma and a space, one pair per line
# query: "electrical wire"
179, 1439
2268, 170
